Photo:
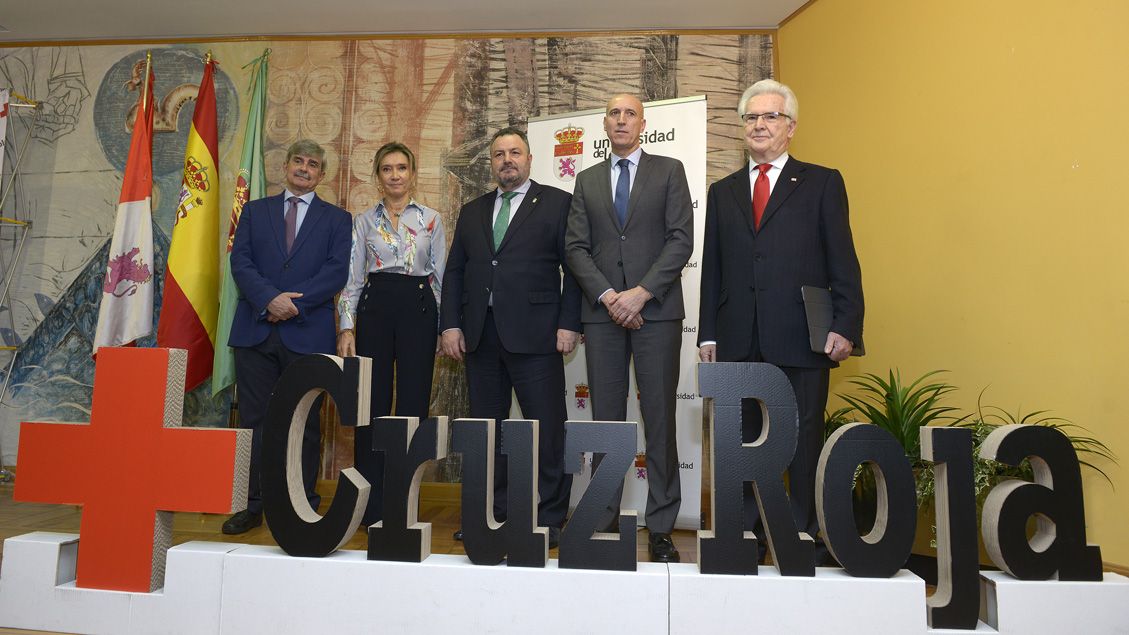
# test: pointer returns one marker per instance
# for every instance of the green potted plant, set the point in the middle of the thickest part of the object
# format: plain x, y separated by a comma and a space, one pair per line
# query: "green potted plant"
903, 409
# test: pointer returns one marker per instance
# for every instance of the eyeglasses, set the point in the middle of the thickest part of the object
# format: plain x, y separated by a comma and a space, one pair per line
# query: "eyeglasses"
769, 117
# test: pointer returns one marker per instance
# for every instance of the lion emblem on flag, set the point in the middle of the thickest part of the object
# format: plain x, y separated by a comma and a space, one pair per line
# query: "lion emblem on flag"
568, 153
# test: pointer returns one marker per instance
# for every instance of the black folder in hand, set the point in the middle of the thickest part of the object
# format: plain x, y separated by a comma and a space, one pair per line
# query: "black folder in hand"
817, 306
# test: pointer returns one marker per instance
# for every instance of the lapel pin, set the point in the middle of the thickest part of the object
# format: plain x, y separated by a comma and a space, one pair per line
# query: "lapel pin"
534, 201
794, 179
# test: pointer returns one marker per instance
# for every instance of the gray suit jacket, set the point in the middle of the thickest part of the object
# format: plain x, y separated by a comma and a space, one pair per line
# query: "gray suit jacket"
650, 250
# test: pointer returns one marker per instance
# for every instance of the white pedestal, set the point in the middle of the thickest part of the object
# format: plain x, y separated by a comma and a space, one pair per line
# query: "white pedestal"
37, 591
190, 601
831, 602
1053, 607
267, 591
225, 588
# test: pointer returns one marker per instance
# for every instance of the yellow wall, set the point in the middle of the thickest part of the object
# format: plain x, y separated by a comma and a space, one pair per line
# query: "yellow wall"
985, 147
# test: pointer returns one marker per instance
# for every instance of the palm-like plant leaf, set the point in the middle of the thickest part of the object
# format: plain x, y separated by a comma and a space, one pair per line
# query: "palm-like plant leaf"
900, 409
988, 418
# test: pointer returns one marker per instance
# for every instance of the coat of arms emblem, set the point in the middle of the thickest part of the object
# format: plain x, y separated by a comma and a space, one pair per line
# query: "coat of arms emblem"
568, 153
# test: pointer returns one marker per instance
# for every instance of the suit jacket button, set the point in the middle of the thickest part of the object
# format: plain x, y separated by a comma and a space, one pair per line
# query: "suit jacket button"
494, 263
421, 285
620, 263
623, 237
286, 266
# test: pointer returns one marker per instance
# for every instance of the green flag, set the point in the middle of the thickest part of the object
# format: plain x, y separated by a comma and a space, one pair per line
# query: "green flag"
250, 184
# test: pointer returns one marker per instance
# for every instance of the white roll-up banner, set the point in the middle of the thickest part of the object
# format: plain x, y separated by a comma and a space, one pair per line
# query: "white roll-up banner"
563, 145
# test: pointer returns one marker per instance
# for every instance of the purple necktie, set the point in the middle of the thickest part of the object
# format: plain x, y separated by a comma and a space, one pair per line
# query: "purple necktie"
291, 221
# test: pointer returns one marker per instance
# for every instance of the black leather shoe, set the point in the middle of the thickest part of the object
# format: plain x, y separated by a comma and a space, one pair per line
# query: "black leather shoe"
458, 535
662, 548
241, 523
554, 537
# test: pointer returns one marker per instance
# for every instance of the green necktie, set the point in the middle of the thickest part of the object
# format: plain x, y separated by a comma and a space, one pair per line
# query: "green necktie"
503, 220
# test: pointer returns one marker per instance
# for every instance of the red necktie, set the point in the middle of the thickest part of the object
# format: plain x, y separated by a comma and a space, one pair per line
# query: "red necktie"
760, 194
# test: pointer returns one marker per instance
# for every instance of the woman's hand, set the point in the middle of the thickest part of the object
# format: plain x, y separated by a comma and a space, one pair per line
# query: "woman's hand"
346, 344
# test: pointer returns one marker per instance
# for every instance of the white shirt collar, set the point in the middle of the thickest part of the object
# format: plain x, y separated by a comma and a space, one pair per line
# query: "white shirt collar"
777, 163
306, 198
522, 189
633, 157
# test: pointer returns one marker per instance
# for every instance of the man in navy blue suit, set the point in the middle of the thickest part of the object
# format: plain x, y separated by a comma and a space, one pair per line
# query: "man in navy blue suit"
289, 259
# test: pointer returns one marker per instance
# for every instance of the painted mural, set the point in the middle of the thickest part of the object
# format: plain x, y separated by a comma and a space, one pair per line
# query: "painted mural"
442, 97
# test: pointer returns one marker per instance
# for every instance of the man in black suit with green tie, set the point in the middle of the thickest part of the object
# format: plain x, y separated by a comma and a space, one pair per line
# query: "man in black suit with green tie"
507, 308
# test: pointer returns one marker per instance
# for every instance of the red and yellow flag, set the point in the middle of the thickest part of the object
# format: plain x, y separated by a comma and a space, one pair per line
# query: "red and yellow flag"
191, 298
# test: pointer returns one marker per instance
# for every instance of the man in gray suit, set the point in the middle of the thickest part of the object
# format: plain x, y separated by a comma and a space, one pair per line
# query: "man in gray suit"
630, 232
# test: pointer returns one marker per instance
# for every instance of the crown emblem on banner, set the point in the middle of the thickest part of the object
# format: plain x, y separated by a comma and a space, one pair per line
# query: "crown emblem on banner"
195, 175
569, 134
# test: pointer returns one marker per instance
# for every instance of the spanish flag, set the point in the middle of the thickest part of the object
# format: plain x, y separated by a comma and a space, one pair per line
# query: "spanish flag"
191, 298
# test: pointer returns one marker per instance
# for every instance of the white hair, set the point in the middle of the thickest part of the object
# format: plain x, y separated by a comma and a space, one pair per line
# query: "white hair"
771, 87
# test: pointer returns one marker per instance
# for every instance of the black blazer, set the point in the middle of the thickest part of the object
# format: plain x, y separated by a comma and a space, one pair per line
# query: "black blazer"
530, 299
804, 239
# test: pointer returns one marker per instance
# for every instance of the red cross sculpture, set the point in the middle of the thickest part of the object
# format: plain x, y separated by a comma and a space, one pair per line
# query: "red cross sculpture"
131, 467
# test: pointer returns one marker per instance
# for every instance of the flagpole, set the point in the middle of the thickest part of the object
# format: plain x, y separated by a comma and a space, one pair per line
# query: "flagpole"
145, 92
23, 148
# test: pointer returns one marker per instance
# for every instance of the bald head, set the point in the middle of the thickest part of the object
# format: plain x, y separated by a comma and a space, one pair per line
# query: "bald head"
623, 123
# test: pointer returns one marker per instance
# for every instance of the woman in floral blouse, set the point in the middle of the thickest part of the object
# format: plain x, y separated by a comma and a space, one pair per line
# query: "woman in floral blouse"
389, 309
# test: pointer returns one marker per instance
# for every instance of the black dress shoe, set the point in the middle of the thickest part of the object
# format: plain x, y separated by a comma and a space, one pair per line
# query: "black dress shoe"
458, 535
554, 537
662, 548
241, 523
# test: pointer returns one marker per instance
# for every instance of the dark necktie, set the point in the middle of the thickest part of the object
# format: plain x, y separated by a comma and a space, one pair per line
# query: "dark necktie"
291, 221
760, 194
503, 221
622, 191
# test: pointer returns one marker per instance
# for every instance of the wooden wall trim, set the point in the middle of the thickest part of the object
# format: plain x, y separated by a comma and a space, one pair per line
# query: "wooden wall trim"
379, 36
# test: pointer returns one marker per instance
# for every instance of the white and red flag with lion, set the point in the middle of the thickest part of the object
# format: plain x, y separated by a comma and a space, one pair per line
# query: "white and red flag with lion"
126, 312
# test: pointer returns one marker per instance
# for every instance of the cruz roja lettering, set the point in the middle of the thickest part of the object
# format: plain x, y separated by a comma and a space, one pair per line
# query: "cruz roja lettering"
1054, 498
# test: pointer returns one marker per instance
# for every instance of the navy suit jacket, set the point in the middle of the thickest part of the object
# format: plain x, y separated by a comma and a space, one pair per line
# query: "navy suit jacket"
531, 301
804, 239
316, 267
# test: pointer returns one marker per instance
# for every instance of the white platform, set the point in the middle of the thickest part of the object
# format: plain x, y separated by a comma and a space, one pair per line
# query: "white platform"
266, 591
831, 602
225, 588
1050, 606
37, 590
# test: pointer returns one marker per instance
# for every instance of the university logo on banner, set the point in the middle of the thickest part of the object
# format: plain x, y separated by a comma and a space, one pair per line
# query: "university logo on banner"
568, 154
583, 393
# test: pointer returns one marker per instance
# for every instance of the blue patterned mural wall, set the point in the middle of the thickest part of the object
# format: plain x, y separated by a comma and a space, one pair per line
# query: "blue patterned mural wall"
442, 96
63, 266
